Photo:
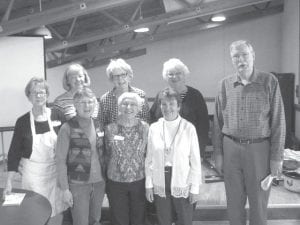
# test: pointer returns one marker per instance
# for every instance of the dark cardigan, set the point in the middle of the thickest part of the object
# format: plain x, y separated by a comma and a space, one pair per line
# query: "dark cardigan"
21, 144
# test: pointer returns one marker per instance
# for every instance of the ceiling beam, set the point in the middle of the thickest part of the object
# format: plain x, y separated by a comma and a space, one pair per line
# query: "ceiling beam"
195, 12
184, 3
138, 9
54, 15
108, 15
71, 27
104, 60
8, 11
58, 35
164, 35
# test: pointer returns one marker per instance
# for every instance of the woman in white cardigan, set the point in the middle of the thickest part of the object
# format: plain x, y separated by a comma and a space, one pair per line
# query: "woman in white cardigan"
173, 165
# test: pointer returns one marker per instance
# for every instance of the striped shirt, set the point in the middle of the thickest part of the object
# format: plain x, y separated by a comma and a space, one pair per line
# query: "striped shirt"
108, 111
250, 111
64, 103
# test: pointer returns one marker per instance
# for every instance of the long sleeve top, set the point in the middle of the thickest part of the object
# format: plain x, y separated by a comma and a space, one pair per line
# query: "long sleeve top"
108, 109
193, 109
250, 111
21, 144
186, 163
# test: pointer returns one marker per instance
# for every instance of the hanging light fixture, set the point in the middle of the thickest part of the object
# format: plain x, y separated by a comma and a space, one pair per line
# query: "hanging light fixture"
218, 17
141, 29
43, 30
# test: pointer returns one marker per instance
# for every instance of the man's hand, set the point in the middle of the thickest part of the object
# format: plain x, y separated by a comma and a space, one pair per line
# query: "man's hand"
192, 198
275, 167
219, 163
149, 194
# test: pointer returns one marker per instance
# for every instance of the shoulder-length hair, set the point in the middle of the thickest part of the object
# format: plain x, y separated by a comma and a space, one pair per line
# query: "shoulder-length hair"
33, 82
73, 68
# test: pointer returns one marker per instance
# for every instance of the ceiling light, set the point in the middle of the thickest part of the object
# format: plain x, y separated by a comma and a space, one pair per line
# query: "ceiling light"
218, 18
141, 30
43, 31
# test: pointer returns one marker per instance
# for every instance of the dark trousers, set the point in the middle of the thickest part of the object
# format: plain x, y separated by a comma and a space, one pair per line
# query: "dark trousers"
168, 207
127, 202
245, 166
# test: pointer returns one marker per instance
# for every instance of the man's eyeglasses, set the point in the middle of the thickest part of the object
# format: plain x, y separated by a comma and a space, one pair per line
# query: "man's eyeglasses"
118, 76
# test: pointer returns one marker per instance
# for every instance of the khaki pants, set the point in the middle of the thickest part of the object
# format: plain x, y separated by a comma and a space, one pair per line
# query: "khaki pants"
245, 166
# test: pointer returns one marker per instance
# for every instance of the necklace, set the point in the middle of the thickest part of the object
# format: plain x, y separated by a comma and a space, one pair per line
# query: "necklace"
168, 149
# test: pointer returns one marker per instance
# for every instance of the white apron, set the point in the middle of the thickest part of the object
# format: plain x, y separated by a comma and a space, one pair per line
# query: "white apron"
39, 171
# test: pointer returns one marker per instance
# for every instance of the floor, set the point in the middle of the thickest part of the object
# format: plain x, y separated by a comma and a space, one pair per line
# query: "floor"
17, 184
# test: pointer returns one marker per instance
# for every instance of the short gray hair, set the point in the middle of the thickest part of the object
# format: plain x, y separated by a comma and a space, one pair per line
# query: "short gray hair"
131, 95
118, 64
239, 43
75, 67
33, 82
176, 64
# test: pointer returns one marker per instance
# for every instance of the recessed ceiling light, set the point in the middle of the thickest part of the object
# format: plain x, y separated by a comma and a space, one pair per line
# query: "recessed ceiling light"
141, 30
218, 18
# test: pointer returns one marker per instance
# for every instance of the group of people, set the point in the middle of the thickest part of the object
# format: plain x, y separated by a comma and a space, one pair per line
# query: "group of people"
80, 148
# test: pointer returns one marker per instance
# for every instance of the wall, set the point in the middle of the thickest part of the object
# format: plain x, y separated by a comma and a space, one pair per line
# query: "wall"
205, 53
290, 46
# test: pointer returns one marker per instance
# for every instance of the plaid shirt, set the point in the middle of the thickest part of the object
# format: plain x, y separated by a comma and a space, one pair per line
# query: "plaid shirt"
108, 110
250, 111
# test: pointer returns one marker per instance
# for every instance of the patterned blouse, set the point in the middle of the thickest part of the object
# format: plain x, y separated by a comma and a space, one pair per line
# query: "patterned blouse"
126, 151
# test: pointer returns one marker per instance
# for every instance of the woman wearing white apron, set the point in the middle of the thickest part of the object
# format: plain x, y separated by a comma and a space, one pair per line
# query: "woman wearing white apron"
32, 150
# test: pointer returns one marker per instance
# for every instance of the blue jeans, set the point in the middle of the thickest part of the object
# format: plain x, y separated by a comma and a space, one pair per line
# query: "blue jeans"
87, 203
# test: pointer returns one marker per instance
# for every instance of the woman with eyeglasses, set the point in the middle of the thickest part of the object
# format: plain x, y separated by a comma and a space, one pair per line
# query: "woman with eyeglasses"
80, 161
75, 78
193, 107
125, 151
32, 150
120, 75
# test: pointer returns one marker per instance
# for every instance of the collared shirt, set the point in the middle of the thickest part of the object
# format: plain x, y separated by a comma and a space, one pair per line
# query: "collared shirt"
108, 110
250, 111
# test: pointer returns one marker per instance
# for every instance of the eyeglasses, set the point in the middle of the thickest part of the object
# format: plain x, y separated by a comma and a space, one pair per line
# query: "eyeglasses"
131, 104
88, 102
175, 74
39, 93
242, 55
118, 76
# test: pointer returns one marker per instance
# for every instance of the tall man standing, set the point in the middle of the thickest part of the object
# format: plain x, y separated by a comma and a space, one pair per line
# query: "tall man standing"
249, 135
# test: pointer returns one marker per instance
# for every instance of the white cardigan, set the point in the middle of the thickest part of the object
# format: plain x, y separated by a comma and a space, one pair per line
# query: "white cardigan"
186, 169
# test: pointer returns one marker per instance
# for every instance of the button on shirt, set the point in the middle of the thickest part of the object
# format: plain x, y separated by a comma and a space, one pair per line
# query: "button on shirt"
250, 111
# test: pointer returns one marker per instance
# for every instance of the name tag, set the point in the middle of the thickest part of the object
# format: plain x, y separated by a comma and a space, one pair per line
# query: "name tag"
100, 134
56, 123
118, 138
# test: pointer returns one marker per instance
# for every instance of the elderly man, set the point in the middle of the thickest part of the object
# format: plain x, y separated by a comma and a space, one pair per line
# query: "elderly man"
249, 134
